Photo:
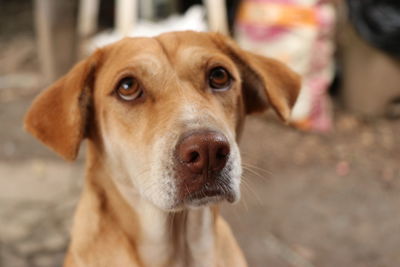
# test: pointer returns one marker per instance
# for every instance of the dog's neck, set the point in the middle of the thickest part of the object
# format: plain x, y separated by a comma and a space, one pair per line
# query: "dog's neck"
153, 237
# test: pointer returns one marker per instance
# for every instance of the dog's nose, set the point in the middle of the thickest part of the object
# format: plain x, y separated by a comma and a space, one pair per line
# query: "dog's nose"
203, 151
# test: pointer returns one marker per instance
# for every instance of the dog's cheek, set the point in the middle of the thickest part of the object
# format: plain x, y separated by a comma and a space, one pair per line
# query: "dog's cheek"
122, 154
124, 163
160, 185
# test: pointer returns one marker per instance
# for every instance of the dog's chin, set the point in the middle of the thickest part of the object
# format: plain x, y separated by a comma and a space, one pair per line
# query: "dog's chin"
204, 198
209, 196
199, 202
205, 201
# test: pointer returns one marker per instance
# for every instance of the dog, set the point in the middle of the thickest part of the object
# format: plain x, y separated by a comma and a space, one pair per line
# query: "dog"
162, 117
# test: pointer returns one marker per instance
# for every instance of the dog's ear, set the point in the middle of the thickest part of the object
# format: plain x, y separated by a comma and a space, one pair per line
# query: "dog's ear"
58, 116
265, 81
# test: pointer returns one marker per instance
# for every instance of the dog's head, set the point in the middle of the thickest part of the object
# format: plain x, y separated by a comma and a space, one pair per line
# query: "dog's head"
164, 113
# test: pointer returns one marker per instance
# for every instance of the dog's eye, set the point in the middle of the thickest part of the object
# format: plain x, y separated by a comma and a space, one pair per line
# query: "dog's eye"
129, 89
219, 79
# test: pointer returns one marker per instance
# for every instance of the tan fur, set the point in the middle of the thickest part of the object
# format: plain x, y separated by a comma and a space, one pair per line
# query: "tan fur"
128, 214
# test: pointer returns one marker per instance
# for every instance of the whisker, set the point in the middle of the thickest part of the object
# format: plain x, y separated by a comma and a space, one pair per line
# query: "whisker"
252, 171
253, 192
257, 168
243, 200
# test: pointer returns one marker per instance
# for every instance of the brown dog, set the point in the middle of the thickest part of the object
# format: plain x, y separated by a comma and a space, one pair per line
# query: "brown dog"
162, 116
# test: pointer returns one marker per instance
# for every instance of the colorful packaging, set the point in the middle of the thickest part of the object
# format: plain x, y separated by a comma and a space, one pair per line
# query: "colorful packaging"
299, 33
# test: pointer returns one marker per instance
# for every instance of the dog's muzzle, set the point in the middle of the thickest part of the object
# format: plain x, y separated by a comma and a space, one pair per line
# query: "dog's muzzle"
201, 166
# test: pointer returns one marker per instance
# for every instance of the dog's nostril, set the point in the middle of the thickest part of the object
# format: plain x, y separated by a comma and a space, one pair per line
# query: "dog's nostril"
222, 153
194, 156
203, 151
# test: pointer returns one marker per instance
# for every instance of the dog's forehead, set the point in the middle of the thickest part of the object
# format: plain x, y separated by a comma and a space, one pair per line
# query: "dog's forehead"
174, 42
128, 48
169, 46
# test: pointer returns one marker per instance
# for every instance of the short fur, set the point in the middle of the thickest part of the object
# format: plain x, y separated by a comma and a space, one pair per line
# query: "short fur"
129, 213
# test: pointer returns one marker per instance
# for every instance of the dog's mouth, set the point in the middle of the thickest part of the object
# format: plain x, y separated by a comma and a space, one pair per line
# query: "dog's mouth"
210, 193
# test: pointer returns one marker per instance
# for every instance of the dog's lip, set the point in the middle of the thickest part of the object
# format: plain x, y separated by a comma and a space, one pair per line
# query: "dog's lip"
212, 193
206, 193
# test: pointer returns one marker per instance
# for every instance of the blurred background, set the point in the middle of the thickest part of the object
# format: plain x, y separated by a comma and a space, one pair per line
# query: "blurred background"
323, 192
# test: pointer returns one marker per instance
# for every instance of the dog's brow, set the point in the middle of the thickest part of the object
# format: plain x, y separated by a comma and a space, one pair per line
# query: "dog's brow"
147, 63
194, 52
203, 56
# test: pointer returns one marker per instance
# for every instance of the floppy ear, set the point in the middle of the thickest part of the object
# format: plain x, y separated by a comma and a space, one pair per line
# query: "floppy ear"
58, 116
265, 81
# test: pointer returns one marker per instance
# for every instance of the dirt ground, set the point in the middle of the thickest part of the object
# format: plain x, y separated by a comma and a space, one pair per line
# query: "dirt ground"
308, 200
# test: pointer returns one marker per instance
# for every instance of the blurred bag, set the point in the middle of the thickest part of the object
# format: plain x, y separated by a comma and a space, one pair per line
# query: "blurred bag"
299, 33
378, 22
